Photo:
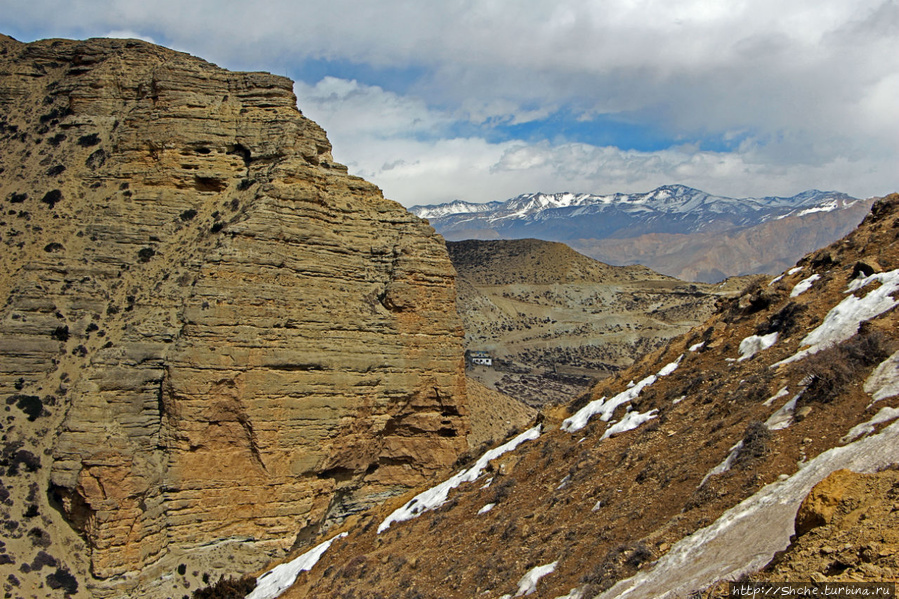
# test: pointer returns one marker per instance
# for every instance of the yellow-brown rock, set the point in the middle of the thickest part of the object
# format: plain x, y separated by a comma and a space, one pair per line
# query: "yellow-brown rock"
228, 337
819, 506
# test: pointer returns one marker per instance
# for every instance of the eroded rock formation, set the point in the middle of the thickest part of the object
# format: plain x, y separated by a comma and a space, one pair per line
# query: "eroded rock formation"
225, 336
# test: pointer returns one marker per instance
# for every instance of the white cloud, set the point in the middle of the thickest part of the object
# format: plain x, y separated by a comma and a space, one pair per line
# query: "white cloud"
367, 110
810, 85
395, 141
127, 34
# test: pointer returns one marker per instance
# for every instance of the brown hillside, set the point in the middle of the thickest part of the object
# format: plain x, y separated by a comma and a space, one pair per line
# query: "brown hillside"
708, 487
536, 262
494, 415
555, 321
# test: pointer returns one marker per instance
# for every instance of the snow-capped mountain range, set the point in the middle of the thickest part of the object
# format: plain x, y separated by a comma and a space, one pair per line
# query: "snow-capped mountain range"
675, 230
668, 209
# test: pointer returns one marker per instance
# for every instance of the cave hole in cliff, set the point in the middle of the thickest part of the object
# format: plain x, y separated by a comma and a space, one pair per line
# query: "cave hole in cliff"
209, 184
448, 410
72, 506
338, 473
242, 151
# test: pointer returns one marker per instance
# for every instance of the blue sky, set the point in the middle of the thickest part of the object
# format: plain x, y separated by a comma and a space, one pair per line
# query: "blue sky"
485, 99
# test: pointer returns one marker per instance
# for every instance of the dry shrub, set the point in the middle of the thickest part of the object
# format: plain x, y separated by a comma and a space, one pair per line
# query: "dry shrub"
619, 562
785, 321
832, 371
755, 444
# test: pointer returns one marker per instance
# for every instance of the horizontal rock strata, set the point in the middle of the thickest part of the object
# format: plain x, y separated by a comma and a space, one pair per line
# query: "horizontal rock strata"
229, 336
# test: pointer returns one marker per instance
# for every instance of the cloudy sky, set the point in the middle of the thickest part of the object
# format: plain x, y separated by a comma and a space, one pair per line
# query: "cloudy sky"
478, 100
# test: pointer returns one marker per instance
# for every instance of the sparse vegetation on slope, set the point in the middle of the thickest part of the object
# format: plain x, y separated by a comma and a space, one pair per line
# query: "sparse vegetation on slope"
722, 432
556, 321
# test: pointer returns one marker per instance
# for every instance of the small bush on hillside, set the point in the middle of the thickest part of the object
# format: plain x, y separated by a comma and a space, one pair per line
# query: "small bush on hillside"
868, 348
40, 538
85, 141
12, 460
639, 554
756, 441
30, 404
832, 371
616, 564
63, 579
51, 198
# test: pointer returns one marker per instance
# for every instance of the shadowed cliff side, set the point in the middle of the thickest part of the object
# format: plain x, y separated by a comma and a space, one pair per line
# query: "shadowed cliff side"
223, 342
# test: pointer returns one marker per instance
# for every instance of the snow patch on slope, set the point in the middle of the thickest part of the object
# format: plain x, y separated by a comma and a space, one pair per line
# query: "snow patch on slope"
528, 583
843, 320
884, 380
278, 579
866, 428
437, 495
630, 421
756, 343
776, 396
804, 285
605, 409
735, 544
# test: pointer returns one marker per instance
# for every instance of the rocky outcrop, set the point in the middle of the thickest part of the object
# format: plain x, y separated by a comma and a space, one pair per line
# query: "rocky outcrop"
226, 337
847, 530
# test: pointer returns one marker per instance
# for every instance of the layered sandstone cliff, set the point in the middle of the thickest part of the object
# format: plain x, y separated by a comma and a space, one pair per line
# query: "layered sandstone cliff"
211, 335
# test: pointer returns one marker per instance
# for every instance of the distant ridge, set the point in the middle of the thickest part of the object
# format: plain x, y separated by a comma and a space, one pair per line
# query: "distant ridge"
554, 319
674, 229
536, 262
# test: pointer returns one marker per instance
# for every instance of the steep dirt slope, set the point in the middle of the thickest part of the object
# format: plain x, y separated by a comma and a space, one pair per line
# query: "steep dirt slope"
691, 469
555, 320
494, 415
214, 343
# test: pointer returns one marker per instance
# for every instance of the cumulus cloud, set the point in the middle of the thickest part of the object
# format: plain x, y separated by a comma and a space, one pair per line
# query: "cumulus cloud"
404, 147
127, 34
368, 110
793, 94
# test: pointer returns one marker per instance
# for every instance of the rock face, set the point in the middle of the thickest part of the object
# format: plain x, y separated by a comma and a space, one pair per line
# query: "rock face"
225, 336
847, 529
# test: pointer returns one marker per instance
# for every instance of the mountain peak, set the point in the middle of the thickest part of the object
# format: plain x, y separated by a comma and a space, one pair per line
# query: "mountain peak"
674, 229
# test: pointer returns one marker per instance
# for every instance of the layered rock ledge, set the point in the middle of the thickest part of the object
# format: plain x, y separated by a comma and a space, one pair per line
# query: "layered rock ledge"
227, 339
